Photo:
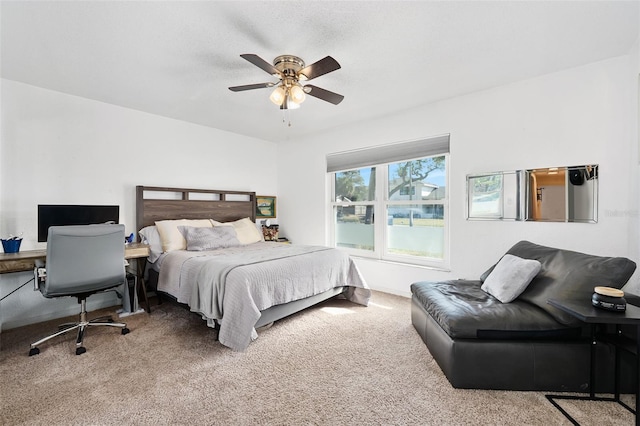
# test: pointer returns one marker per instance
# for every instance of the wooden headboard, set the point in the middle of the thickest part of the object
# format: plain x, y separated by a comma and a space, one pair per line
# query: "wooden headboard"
160, 203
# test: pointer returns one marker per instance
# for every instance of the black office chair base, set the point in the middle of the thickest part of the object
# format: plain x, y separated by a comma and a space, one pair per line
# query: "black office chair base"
81, 325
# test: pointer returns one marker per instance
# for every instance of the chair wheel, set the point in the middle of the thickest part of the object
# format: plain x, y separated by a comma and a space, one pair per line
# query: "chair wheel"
80, 350
34, 351
125, 330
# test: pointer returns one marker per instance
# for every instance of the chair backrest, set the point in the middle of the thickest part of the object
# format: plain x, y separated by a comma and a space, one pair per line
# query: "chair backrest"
83, 259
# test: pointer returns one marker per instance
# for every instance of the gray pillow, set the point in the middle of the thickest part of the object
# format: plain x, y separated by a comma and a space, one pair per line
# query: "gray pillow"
510, 277
199, 239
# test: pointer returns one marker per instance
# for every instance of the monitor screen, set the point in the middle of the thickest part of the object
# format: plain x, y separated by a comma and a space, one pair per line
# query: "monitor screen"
59, 215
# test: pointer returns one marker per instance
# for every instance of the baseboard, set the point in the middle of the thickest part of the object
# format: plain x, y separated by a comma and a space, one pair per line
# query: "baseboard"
390, 290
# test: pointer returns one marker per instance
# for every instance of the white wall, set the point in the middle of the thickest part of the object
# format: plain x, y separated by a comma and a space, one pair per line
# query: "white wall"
578, 116
62, 149
634, 117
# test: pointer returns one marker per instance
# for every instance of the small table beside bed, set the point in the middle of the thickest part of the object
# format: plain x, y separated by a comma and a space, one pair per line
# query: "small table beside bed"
206, 252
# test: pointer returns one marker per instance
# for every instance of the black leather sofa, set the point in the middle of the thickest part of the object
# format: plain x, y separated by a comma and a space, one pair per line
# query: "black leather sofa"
482, 343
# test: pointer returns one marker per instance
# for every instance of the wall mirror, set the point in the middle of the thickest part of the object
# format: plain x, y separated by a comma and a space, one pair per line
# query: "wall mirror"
562, 194
495, 196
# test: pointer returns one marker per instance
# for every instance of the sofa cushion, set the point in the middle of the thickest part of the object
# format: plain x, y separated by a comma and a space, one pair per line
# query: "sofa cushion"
464, 311
568, 275
510, 277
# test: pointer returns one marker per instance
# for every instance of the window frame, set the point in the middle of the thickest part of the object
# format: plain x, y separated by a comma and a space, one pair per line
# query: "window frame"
381, 203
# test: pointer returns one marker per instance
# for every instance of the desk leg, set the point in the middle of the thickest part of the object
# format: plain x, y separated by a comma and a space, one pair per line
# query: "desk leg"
592, 363
592, 378
637, 386
637, 374
141, 264
616, 380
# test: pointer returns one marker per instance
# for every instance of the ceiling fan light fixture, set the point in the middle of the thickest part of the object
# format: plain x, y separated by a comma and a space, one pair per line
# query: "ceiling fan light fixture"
289, 93
278, 96
296, 94
291, 104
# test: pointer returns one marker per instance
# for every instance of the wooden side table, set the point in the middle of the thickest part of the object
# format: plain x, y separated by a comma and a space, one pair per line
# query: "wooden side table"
587, 313
139, 252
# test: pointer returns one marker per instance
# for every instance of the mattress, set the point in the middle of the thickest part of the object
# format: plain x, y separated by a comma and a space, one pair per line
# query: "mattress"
231, 286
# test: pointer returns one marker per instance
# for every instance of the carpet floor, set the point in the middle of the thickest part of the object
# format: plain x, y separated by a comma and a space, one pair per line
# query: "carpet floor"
335, 364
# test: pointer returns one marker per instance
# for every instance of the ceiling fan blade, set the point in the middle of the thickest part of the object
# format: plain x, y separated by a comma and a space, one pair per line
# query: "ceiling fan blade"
251, 87
323, 94
261, 63
323, 66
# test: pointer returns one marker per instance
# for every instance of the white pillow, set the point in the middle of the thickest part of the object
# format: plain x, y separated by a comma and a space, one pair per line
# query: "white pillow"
171, 237
246, 230
149, 235
510, 277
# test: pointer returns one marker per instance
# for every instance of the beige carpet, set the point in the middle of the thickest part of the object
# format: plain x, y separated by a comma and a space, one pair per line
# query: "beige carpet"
336, 364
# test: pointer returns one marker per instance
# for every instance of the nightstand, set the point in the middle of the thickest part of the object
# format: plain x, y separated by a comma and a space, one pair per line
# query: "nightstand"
139, 252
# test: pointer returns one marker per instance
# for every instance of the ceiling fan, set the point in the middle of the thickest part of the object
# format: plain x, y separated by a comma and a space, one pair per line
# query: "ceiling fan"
291, 70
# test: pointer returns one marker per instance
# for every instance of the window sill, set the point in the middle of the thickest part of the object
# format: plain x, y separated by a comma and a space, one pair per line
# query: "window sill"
407, 264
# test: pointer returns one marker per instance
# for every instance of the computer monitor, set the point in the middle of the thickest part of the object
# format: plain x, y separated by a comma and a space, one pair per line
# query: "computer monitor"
65, 214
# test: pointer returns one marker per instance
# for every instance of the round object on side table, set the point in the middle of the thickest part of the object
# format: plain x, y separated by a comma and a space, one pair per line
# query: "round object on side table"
611, 299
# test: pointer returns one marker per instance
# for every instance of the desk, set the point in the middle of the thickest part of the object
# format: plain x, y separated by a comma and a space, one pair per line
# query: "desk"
585, 312
25, 261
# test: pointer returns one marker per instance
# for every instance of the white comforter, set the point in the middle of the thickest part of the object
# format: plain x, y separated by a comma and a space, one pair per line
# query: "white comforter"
233, 285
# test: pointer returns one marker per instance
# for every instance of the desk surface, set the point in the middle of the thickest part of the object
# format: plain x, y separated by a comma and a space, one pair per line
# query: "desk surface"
586, 312
25, 260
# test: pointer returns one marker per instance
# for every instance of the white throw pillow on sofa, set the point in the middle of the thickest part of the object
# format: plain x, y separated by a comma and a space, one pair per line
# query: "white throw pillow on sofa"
510, 277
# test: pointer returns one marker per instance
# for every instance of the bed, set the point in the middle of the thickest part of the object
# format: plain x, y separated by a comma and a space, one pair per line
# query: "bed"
207, 253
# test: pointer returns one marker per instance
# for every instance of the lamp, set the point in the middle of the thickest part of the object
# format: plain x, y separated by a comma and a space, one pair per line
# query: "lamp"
296, 94
290, 103
278, 95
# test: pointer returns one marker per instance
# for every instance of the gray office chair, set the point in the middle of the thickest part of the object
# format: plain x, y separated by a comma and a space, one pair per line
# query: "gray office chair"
82, 260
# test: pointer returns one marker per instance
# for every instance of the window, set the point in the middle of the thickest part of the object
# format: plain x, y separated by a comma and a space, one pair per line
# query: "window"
408, 190
393, 210
354, 208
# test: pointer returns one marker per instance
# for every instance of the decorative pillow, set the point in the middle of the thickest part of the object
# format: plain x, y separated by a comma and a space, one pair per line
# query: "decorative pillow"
149, 235
510, 277
199, 239
246, 230
171, 237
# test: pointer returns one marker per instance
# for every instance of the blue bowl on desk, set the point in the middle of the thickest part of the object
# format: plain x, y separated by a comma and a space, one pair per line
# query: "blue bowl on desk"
11, 246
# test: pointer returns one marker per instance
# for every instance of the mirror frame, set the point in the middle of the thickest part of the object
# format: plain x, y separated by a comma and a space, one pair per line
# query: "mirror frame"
515, 201
574, 188
502, 200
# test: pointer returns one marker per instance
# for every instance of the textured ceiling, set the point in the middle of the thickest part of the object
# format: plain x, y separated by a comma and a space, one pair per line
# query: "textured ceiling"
177, 58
